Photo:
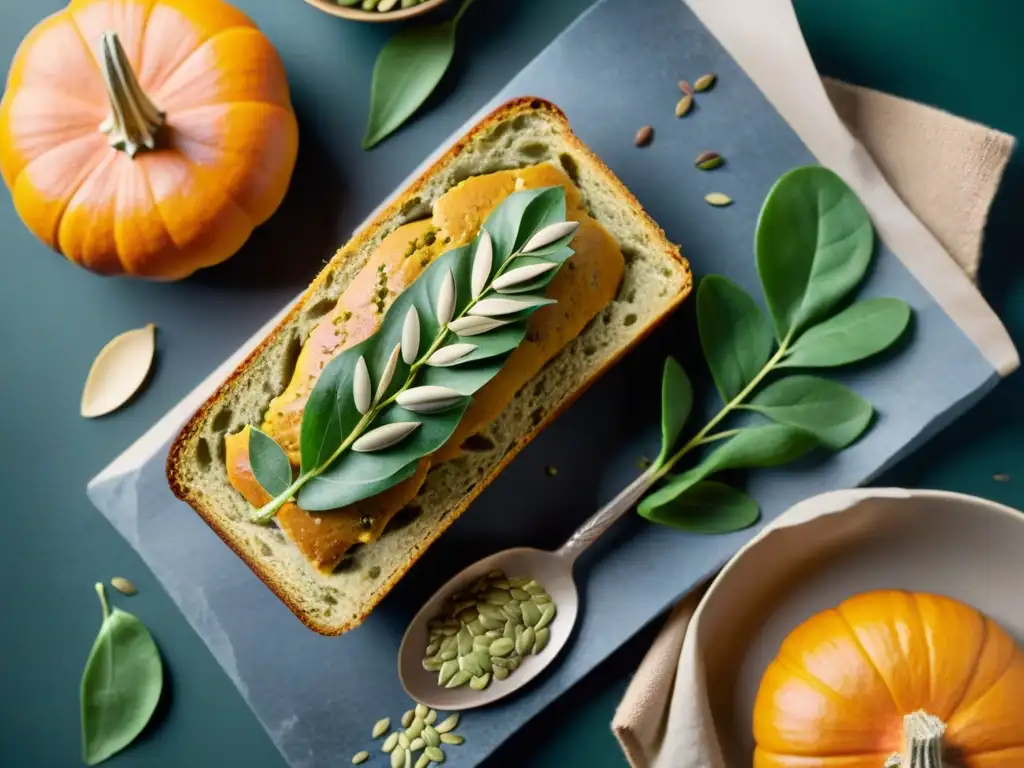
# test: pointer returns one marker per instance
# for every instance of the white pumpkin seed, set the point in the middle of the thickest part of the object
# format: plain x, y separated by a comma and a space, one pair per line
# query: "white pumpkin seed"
543, 635
411, 336
122, 585
521, 275
381, 727
546, 615
361, 393
417, 744
436, 754
388, 374
390, 743
423, 762
445, 304
450, 354
524, 643
482, 261
119, 371
451, 738
507, 306
431, 736
459, 678
480, 682
718, 199
474, 326
428, 399
550, 234
404, 741
450, 723
384, 436
360, 757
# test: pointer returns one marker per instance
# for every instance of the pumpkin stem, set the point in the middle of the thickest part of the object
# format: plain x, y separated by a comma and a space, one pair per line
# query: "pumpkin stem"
922, 742
134, 119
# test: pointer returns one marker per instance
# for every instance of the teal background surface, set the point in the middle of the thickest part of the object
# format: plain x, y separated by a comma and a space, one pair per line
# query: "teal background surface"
963, 57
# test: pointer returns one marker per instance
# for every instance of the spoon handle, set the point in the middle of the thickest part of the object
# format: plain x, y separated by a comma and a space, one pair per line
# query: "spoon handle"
602, 520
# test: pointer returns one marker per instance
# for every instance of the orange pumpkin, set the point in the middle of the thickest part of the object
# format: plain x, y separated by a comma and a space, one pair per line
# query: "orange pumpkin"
919, 675
146, 137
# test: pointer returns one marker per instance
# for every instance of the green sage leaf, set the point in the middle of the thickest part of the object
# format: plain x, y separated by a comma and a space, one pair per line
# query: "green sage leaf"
407, 70
676, 404
832, 413
770, 445
858, 332
269, 462
121, 684
709, 507
734, 334
813, 244
522, 215
341, 484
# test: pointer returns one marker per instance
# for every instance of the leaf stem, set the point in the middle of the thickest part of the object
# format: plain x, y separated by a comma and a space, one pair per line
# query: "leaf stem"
103, 600
704, 436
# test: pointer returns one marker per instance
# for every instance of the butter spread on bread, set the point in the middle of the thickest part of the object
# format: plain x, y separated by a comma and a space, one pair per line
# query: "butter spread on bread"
583, 288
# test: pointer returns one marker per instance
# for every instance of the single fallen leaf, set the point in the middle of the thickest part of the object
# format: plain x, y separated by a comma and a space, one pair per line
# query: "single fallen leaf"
118, 371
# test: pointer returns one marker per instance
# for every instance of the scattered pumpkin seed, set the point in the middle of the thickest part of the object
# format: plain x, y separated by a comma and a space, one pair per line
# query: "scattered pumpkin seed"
408, 716
122, 585
524, 643
685, 87
552, 471
718, 199
480, 682
390, 743
543, 636
415, 728
459, 678
423, 762
397, 758
684, 105
705, 82
436, 754
360, 757
381, 727
450, 723
709, 160
417, 744
431, 736
644, 136
404, 741
430, 718
452, 738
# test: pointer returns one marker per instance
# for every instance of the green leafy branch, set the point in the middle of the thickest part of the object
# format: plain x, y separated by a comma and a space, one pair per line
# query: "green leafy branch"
470, 306
813, 245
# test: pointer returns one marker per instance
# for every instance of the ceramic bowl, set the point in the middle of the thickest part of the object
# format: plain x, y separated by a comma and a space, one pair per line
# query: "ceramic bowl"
813, 557
354, 13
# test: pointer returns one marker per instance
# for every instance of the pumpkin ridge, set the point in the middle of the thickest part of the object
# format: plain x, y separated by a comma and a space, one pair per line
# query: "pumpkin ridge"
156, 207
199, 46
789, 756
85, 43
871, 661
916, 609
974, 667
804, 674
995, 681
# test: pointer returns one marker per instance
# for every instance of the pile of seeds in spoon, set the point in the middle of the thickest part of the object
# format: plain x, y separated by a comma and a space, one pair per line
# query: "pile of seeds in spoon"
485, 630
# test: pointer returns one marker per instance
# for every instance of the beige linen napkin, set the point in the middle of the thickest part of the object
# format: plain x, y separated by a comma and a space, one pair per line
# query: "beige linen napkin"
946, 171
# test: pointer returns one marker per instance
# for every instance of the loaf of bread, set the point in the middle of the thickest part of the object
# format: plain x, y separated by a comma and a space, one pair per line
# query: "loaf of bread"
331, 568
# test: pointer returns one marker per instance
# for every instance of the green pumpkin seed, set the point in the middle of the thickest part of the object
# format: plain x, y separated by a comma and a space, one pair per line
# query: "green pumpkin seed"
494, 634
497, 573
483, 660
408, 758
430, 718
542, 598
432, 664
531, 614
501, 647
389, 743
510, 629
492, 622
480, 642
417, 744
423, 762
543, 635
415, 727
519, 582
449, 644
475, 627
470, 664
546, 616
465, 641
381, 727
480, 682
705, 82
513, 611
398, 758
533, 587
450, 723
404, 741
466, 616
501, 583
448, 655
498, 597
452, 738
448, 670
360, 757
708, 160
432, 737
489, 611
514, 662
500, 673
519, 594
524, 643
433, 648
461, 605
519, 630
436, 754
459, 678
500, 663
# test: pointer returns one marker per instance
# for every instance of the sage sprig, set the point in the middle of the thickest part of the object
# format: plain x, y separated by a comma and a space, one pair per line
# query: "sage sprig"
121, 684
813, 244
385, 403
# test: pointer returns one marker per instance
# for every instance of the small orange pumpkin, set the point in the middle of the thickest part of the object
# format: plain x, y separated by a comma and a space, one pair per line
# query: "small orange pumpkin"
919, 675
146, 137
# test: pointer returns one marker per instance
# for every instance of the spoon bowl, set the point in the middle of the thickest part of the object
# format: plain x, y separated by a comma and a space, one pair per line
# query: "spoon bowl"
552, 570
